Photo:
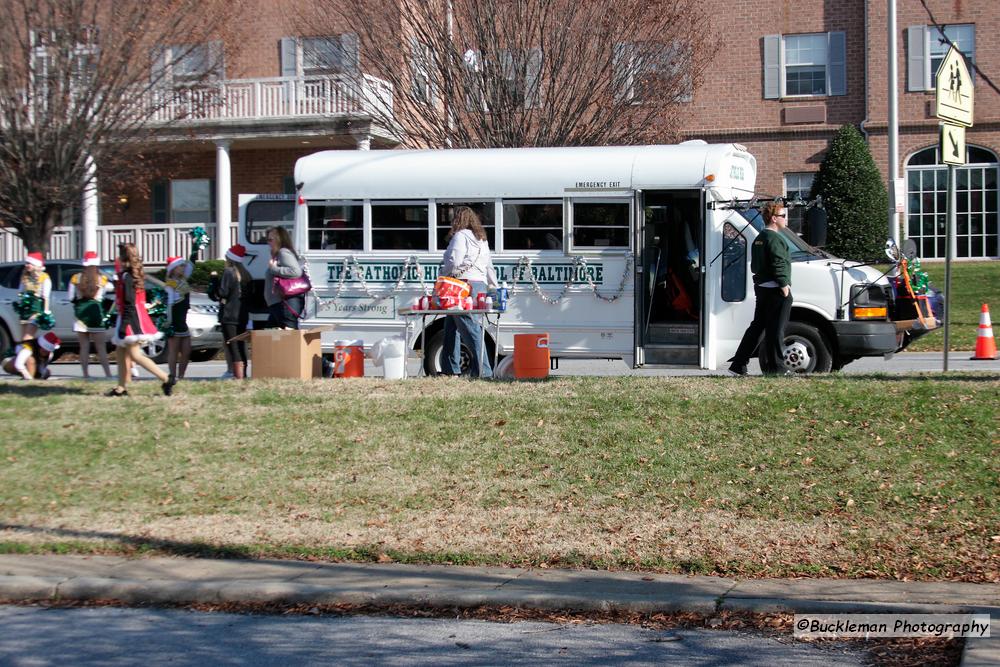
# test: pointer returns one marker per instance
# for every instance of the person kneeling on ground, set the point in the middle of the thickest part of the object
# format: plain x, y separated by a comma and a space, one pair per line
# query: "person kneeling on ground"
32, 356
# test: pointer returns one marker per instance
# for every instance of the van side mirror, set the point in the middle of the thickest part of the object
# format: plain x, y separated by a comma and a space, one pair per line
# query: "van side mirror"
909, 249
816, 227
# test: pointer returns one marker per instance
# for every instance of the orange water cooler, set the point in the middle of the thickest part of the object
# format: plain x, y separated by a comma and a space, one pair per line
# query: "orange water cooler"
348, 359
531, 356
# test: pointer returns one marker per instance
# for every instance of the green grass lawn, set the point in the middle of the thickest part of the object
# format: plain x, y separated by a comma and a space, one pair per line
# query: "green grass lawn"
972, 285
834, 476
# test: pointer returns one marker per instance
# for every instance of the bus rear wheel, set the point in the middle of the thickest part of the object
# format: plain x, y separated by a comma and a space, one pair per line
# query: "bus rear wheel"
435, 347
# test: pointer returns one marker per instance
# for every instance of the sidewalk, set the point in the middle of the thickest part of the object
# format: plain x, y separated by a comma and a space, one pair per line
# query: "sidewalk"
186, 581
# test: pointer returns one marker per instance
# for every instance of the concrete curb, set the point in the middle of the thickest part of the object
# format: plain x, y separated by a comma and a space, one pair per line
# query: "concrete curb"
195, 581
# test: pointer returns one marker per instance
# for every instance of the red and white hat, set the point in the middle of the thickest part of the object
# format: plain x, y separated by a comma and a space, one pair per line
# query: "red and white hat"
174, 262
50, 342
237, 253
90, 258
35, 259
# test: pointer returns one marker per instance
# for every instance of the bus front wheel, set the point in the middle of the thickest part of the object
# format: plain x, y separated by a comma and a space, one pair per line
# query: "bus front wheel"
806, 349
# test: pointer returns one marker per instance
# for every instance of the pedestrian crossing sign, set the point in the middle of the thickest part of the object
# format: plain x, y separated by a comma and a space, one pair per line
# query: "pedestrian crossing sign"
953, 88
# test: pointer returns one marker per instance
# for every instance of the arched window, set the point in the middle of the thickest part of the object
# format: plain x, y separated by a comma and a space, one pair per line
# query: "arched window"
976, 206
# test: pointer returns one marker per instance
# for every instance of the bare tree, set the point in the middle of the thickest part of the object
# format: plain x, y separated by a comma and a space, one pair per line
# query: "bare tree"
495, 73
83, 80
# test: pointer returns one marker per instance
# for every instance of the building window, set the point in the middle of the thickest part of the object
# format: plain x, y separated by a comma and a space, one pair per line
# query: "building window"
927, 47
336, 226
446, 214
600, 224
399, 226
976, 205
797, 188
181, 64
650, 71
533, 225
805, 65
315, 56
191, 201
512, 78
421, 61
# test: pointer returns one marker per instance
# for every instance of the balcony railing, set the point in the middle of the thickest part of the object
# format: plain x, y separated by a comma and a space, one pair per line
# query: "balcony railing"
155, 242
274, 98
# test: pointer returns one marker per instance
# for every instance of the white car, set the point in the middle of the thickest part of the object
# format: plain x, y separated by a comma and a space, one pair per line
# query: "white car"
202, 319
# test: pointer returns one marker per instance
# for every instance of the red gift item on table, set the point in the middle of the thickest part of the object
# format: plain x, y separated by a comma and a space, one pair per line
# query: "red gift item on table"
446, 286
450, 302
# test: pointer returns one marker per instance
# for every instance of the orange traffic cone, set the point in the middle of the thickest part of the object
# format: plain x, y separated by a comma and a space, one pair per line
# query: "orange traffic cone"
986, 347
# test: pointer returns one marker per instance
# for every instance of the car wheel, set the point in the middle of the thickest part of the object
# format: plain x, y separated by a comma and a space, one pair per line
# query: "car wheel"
157, 350
806, 349
206, 354
6, 342
435, 345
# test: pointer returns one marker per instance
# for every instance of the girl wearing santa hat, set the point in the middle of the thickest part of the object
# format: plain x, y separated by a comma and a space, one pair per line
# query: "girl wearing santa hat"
232, 292
178, 302
32, 356
35, 290
134, 328
86, 293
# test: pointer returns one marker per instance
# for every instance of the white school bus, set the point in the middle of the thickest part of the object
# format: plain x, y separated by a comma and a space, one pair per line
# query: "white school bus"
630, 253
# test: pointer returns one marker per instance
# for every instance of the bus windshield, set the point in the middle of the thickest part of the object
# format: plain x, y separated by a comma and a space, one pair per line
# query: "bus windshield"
799, 250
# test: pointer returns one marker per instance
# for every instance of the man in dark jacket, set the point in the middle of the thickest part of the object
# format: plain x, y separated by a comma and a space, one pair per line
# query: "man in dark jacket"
772, 285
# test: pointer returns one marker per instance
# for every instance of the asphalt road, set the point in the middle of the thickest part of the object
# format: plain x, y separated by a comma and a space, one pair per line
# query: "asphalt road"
906, 363
38, 636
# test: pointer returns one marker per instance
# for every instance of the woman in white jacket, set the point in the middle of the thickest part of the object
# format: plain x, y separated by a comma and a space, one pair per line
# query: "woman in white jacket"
468, 258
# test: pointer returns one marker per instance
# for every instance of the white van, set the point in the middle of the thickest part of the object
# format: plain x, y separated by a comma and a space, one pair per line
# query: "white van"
631, 253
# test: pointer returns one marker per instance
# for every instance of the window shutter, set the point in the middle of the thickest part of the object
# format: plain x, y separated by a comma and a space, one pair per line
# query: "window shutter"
213, 195
288, 185
158, 70
837, 59
216, 60
772, 67
917, 76
350, 52
160, 213
622, 72
289, 56
532, 76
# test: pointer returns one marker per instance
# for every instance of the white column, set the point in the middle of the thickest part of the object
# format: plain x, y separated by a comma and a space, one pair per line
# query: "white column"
223, 198
364, 141
893, 133
88, 209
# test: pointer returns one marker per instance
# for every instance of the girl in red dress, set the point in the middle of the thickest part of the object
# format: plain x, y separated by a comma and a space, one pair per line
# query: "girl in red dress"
135, 328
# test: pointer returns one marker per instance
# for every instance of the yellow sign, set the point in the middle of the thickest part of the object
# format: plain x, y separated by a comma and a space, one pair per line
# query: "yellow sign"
952, 144
953, 86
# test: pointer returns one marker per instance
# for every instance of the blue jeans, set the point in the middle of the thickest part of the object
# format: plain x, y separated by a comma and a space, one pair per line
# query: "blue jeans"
469, 329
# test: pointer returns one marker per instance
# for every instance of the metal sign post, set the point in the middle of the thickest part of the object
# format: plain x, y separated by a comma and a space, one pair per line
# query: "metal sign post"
954, 106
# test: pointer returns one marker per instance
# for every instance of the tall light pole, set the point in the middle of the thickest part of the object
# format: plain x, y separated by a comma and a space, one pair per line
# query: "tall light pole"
895, 191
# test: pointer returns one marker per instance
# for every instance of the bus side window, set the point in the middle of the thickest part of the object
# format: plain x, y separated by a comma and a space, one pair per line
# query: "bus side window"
264, 214
734, 264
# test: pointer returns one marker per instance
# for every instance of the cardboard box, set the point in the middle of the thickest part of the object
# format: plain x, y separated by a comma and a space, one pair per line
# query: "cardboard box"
285, 353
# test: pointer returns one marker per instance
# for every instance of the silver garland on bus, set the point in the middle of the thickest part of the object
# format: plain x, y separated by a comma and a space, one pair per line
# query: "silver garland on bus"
579, 263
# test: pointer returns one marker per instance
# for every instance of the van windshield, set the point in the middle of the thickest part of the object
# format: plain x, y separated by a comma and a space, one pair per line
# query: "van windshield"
799, 250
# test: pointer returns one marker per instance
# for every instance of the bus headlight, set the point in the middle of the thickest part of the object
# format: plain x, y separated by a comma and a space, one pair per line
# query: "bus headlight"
869, 302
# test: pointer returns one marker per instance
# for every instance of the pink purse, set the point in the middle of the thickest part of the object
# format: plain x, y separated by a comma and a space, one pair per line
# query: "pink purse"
289, 287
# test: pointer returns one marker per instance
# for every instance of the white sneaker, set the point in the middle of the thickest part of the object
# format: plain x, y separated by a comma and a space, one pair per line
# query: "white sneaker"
228, 375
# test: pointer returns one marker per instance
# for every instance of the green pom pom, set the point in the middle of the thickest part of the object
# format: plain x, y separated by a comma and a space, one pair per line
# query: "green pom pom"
199, 237
45, 321
25, 305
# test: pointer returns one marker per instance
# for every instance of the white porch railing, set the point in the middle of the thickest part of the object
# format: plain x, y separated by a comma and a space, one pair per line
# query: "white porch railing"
278, 97
155, 242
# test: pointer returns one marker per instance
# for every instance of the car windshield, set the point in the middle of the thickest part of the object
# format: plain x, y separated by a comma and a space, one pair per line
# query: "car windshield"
799, 250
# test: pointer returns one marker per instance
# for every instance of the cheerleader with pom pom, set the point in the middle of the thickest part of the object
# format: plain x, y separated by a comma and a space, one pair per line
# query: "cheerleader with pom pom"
134, 327
32, 356
33, 300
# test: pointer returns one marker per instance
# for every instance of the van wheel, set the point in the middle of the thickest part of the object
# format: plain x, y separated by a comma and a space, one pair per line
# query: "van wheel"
157, 350
435, 345
806, 349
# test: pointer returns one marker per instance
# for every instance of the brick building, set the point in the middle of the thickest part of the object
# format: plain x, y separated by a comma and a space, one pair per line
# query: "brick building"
786, 76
